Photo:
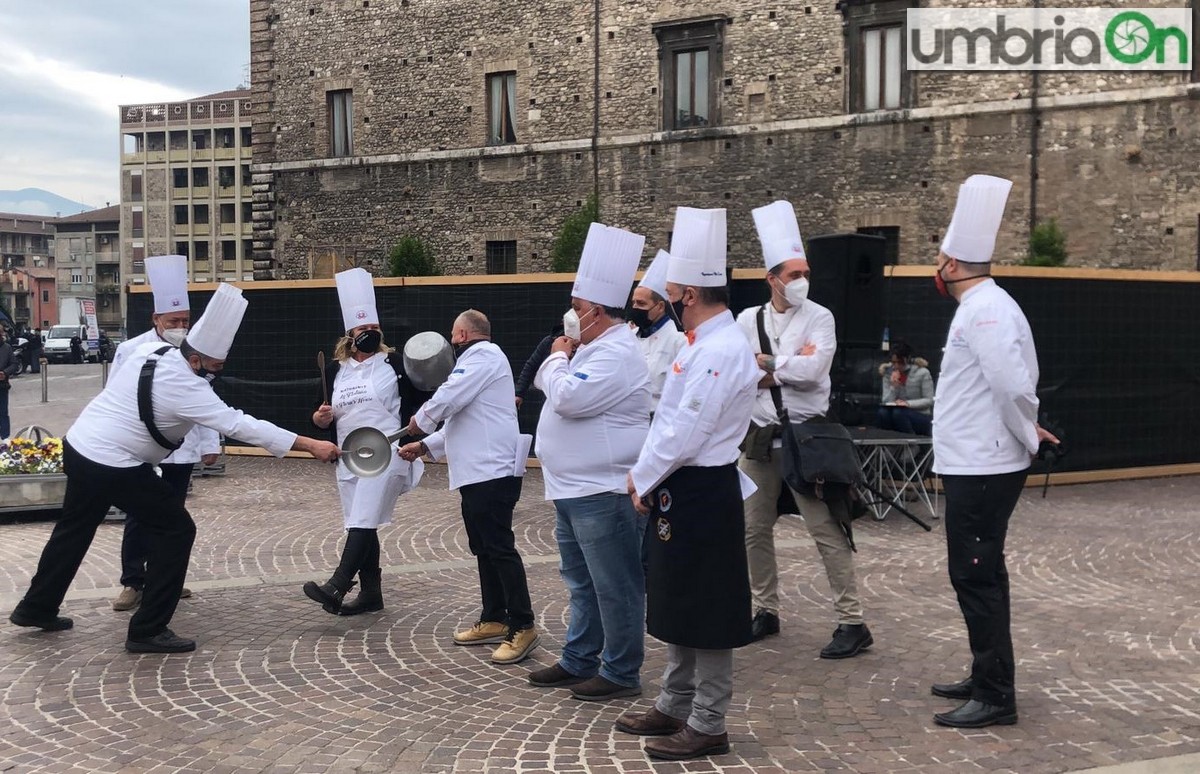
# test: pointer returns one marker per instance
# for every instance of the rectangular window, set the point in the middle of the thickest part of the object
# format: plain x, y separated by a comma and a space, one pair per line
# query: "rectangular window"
691, 89
502, 108
76, 278
139, 259
200, 177
690, 71
228, 213
138, 224
181, 248
502, 257
340, 115
200, 139
875, 54
179, 178
225, 177
135, 186
200, 213
45, 296
881, 68
201, 251
181, 214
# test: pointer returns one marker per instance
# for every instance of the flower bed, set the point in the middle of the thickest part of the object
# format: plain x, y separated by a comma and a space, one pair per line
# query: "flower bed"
31, 476
22, 456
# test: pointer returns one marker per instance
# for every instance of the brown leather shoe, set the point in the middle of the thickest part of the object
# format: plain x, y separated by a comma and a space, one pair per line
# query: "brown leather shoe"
687, 743
652, 723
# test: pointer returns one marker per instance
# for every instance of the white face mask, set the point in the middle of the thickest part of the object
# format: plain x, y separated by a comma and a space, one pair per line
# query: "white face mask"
796, 292
174, 336
571, 325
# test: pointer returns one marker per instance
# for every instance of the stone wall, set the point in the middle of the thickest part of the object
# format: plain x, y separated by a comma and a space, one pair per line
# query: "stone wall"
1116, 153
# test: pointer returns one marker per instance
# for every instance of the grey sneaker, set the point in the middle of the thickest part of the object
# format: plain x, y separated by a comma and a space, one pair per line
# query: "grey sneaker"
128, 599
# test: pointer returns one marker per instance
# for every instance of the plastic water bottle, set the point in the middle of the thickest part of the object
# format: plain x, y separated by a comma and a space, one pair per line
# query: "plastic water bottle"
886, 344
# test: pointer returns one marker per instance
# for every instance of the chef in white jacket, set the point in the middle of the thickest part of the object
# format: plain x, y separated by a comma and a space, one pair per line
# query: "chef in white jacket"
801, 341
169, 325
487, 454
659, 337
985, 434
365, 393
591, 429
109, 456
697, 590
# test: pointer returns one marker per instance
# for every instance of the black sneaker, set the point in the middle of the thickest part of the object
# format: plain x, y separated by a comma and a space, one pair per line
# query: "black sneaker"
765, 624
165, 641
848, 640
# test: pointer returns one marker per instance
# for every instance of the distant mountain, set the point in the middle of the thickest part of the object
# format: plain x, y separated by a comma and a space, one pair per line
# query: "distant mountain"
35, 201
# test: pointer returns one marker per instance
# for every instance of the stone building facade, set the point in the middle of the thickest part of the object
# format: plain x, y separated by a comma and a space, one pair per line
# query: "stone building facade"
479, 126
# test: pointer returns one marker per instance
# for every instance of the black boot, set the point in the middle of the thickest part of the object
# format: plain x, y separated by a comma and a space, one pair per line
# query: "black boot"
331, 593
370, 594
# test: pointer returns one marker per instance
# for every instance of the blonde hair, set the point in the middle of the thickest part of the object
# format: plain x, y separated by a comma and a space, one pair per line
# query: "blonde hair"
344, 348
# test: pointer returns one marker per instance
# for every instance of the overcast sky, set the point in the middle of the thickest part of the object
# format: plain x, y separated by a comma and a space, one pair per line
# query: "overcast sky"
65, 66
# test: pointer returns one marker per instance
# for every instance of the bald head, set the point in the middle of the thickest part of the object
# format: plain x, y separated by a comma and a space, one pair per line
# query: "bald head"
470, 326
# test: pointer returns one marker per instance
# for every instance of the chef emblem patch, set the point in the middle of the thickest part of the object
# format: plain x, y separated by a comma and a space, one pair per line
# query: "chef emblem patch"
361, 314
174, 302
664, 500
663, 527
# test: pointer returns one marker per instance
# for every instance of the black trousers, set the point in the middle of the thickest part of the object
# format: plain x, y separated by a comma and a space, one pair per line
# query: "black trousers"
487, 509
977, 513
169, 532
133, 541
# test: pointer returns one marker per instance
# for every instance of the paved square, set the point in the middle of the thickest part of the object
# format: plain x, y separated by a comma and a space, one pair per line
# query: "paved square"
1106, 621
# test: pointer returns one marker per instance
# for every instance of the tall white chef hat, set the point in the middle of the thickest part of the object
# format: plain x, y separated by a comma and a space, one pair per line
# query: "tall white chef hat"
655, 277
356, 293
168, 281
213, 334
971, 237
606, 268
698, 248
778, 233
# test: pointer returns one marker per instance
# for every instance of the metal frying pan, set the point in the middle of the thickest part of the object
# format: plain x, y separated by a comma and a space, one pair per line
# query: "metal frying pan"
367, 452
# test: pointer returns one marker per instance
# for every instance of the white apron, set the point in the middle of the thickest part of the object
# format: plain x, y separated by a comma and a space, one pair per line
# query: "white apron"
369, 502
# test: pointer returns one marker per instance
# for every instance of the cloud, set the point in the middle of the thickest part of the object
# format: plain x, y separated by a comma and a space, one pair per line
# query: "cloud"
69, 64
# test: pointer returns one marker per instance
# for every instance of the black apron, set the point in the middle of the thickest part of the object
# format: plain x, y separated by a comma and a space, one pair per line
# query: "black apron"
698, 586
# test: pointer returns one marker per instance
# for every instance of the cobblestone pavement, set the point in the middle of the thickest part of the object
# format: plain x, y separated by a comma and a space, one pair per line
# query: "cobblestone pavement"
1106, 619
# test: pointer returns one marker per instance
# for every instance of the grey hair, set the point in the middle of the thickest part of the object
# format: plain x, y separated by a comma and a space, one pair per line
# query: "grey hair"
475, 322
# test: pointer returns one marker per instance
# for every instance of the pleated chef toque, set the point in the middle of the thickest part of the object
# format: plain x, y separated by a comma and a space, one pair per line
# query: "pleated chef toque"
606, 268
698, 248
168, 281
213, 334
356, 294
655, 277
971, 237
778, 232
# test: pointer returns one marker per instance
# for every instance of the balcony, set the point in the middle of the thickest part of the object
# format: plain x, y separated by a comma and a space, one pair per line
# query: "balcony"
225, 153
247, 192
228, 229
200, 229
156, 157
202, 154
180, 155
133, 158
108, 257
201, 192
180, 193
227, 192
247, 228
107, 287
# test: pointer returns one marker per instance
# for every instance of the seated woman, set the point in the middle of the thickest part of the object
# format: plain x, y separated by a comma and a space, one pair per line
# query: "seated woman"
907, 401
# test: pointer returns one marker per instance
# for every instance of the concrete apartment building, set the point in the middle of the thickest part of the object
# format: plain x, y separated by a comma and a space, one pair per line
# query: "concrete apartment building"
479, 126
185, 186
87, 260
27, 292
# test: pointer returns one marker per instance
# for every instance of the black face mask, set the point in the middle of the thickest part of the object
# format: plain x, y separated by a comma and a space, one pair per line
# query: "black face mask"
641, 318
677, 312
368, 341
463, 346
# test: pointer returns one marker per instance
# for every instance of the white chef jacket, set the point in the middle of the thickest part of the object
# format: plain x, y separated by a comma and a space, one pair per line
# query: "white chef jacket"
596, 415
200, 440
480, 438
109, 431
804, 379
366, 394
705, 407
986, 404
660, 350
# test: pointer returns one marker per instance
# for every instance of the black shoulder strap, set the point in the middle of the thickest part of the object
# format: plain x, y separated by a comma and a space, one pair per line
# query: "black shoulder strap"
764, 343
146, 403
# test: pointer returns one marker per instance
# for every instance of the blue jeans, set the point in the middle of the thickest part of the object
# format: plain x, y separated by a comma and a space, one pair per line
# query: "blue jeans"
600, 550
902, 419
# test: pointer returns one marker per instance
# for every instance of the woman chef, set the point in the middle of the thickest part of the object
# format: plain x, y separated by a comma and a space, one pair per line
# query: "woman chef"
367, 383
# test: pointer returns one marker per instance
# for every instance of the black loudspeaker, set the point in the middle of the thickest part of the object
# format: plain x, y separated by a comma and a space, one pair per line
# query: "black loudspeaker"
847, 279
